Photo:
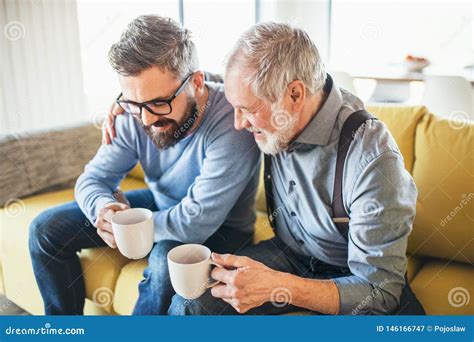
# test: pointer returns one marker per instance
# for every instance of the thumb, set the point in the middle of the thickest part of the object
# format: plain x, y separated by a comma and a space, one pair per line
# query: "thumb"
230, 260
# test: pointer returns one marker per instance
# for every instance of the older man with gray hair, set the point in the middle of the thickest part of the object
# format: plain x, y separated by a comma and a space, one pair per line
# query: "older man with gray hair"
325, 157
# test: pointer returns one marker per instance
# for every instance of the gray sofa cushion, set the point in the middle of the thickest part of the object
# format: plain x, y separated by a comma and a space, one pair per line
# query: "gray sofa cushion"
44, 160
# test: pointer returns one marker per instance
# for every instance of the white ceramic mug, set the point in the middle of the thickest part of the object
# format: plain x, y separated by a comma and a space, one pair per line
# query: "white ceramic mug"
133, 232
190, 270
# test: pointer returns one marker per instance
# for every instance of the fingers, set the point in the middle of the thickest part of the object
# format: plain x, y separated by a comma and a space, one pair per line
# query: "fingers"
104, 225
105, 135
104, 222
116, 206
108, 126
222, 291
223, 275
230, 260
237, 306
116, 109
107, 237
108, 129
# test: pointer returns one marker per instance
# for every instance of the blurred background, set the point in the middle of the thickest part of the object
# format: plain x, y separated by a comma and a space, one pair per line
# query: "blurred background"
55, 70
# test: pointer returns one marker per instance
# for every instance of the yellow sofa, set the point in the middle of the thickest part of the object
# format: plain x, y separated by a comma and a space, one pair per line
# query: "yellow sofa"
437, 152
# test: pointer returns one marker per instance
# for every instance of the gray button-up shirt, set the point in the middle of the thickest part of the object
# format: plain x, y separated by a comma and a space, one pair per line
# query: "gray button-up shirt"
379, 195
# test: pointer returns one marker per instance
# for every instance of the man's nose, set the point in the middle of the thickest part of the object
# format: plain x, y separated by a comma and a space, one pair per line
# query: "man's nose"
148, 119
240, 122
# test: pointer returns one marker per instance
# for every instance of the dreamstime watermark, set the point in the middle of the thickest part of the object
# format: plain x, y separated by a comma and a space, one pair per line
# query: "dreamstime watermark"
277, 34
464, 201
369, 31
280, 297
192, 207
107, 26
371, 208
14, 31
98, 118
458, 296
367, 300
196, 294
46, 330
103, 296
190, 121
282, 120
459, 119
14, 207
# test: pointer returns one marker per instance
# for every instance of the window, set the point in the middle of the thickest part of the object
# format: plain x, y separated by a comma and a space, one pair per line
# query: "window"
372, 34
100, 25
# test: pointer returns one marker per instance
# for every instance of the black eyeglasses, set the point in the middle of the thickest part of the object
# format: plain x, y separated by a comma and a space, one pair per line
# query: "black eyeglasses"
156, 106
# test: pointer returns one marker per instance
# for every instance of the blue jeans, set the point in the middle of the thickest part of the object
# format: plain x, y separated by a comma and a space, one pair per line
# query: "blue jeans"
56, 236
276, 255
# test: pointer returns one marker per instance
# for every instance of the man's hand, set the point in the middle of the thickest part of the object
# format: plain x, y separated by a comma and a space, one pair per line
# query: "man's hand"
104, 222
246, 283
108, 126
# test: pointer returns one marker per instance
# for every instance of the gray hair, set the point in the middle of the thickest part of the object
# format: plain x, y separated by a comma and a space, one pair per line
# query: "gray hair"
152, 40
272, 55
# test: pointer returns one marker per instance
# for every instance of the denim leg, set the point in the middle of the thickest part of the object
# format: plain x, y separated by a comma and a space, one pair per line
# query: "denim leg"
155, 290
55, 237
271, 253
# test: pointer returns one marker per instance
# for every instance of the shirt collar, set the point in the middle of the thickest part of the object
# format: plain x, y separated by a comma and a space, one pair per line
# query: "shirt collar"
319, 129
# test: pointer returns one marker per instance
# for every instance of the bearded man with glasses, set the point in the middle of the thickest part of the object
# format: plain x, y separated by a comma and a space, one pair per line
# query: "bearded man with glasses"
201, 173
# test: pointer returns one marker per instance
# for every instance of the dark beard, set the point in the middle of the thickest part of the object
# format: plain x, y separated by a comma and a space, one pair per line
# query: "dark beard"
176, 131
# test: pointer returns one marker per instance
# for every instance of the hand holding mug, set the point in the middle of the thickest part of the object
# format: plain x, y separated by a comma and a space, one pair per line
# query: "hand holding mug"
190, 270
104, 222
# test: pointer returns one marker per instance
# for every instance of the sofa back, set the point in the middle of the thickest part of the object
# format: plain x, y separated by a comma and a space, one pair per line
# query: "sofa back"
44, 160
444, 175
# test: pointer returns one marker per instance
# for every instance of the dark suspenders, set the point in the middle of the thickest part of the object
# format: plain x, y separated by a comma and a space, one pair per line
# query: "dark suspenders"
339, 215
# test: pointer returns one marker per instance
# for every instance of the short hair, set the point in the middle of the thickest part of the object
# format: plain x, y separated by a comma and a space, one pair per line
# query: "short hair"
272, 55
152, 40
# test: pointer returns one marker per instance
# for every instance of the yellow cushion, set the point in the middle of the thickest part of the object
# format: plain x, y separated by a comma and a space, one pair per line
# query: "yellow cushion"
443, 173
137, 172
445, 287
126, 290
263, 230
413, 266
260, 200
401, 122
101, 268
19, 280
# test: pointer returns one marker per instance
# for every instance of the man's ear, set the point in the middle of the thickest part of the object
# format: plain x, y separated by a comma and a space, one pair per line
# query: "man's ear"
297, 92
198, 80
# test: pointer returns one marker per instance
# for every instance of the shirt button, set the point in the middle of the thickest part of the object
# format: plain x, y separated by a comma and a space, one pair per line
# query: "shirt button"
301, 242
293, 213
293, 183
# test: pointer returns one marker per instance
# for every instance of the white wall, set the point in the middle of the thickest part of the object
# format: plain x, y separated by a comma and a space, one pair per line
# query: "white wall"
41, 79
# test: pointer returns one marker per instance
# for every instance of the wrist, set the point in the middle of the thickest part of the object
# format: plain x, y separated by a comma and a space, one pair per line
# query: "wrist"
281, 288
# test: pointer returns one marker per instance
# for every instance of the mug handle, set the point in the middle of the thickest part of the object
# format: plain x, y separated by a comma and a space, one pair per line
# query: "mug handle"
217, 281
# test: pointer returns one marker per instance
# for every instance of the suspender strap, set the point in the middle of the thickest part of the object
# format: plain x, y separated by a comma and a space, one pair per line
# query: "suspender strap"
267, 181
349, 128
